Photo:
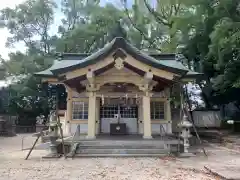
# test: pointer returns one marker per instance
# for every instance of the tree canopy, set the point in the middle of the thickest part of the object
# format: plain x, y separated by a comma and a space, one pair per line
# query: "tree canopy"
207, 32
215, 45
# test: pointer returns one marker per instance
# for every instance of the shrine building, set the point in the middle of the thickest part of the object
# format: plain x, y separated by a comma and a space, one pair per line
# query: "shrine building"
119, 89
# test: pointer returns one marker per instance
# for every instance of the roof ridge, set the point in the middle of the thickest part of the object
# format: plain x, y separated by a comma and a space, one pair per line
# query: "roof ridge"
119, 42
64, 53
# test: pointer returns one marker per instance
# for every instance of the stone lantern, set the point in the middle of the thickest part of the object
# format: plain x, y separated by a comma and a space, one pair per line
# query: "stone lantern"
53, 133
185, 126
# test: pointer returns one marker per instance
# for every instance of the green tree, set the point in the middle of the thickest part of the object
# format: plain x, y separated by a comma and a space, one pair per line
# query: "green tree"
91, 29
30, 22
163, 17
215, 45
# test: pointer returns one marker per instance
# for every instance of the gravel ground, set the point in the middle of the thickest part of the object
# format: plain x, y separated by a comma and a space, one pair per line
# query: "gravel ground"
12, 165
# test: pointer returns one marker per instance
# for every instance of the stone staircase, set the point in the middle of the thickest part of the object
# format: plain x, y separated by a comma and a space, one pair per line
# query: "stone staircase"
121, 148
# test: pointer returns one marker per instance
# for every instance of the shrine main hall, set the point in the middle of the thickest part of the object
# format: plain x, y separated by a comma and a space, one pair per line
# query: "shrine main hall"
119, 89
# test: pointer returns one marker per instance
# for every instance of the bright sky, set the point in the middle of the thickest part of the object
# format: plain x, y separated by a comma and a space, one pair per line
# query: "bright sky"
4, 33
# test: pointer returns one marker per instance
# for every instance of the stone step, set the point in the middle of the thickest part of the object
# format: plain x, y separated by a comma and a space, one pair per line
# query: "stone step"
123, 146
124, 143
174, 147
122, 151
119, 155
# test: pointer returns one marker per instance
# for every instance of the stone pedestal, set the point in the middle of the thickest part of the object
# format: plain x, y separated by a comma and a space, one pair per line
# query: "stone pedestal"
53, 145
53, 148
53, 136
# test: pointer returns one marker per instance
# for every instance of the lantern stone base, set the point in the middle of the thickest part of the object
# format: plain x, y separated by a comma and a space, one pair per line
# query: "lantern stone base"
53, 151
52, 156
90, 137
186, 155
147, 137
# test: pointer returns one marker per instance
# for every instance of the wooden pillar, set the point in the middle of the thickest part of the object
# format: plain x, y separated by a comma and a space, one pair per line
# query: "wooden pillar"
147, 126
168, 112
168, 116
69, 111
92, 116
97, 116
140, 118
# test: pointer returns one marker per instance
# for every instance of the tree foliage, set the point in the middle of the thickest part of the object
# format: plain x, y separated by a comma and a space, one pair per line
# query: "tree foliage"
207, 29
29, 20
215, 44
91, 29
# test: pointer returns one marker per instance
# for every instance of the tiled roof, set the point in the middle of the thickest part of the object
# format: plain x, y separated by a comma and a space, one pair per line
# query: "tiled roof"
71, 61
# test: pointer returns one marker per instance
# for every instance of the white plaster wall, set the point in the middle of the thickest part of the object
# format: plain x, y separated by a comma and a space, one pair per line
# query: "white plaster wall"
83, 128
140, 128
156, 128
131, 129
131, 124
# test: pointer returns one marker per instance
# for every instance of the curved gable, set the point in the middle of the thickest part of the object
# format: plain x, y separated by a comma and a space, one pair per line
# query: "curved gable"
113, 46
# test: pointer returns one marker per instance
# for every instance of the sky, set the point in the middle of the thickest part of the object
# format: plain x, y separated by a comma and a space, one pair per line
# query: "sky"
4, 33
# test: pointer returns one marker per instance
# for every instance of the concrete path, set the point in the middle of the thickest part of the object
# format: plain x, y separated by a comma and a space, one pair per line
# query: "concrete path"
224, 172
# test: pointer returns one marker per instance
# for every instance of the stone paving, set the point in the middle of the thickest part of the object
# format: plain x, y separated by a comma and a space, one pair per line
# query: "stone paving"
12, 165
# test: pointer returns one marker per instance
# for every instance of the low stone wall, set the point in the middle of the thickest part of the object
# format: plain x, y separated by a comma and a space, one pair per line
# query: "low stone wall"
25, 129
207, 119
7, 125
201, 118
